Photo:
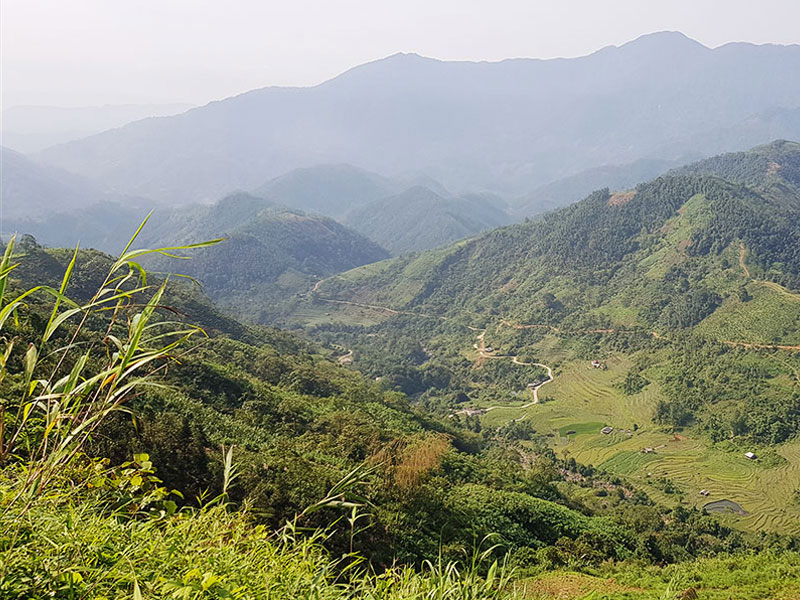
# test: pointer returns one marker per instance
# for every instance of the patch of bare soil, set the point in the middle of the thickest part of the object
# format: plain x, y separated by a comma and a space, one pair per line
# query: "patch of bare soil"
569, 586
621, 198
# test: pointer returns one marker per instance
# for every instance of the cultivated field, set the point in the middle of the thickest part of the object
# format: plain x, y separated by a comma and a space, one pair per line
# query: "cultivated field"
586, 399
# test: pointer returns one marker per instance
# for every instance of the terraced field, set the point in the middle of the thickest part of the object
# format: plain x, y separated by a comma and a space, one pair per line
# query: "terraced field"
574, 429
586, 398
628, 462
755, 577
312, 315
770, 316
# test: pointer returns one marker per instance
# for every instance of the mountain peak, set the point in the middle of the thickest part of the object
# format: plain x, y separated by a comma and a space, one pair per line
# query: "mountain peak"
664, 40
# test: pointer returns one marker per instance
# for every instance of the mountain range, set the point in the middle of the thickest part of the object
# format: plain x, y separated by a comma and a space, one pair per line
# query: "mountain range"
34, 128
508, 127
58, 207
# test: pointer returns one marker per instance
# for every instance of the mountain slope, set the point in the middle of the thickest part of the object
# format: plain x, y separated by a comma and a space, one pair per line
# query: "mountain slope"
300, 423
775, 164
419, 218
622, 243
576, 187
30, 190
270, 252
667, 319
33, 128
469, 125
330, 190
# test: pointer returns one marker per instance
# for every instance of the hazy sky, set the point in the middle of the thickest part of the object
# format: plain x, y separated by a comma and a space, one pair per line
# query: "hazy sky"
92, 52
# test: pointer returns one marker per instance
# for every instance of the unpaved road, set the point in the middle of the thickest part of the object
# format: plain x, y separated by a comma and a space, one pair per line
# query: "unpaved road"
346, 359
742, 258
483, 353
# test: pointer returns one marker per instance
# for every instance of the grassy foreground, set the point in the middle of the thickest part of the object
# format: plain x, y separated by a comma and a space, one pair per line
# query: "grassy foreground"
766, 576
72, 527
68, 549
71, 548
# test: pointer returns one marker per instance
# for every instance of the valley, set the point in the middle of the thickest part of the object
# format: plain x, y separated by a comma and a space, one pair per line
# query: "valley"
286, 326
637, 367
585, 399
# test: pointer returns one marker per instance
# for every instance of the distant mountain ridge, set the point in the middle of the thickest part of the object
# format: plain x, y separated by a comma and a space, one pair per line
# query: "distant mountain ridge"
331, 190
30, 191
401, 215
507, 127
419, 219
34, 128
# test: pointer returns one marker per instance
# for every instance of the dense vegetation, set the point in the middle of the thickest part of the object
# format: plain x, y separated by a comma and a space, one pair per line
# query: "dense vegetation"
684, 256
270, 252
304, 441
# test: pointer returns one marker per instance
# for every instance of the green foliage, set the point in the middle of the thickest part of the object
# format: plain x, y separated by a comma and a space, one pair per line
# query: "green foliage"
525, 521
633, 383
68, 547
666, 269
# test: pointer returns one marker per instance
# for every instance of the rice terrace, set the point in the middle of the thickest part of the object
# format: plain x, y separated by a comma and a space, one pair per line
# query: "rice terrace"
757, 495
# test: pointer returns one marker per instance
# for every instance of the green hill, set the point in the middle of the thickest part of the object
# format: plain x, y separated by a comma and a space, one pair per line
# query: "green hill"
251, 461
419, 219
768, 167
647, 242
270, 252
300, 423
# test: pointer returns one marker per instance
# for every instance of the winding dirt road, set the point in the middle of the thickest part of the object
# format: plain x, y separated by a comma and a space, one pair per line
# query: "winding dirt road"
483, 353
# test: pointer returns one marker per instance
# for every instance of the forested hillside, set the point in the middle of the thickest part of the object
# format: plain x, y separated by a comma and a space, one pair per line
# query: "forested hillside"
616, 248
269, 254
278, 427
680, 296
300, 425
775, 164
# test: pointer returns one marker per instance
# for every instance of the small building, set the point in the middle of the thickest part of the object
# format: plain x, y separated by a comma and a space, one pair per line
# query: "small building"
471, 412
607, 430
596, 364
648, 450
489, 349
750, 455
704, 492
